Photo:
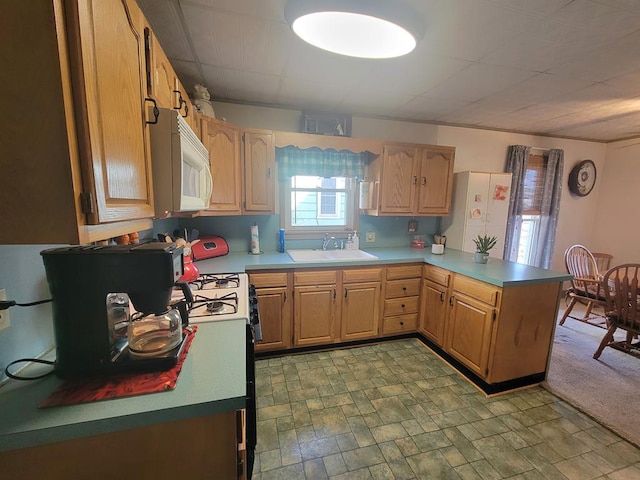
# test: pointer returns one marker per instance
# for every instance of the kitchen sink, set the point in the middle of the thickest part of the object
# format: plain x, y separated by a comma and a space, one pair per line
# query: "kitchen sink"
312, 255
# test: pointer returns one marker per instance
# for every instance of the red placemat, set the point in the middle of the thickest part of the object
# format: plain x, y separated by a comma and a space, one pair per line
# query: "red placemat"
119, 385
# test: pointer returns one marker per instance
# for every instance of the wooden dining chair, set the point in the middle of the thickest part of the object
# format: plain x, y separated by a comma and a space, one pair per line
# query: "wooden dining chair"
621, 306
586, 285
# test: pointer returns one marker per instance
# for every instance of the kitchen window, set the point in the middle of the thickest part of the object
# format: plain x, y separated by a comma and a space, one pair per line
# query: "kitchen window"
315, 205
318, 191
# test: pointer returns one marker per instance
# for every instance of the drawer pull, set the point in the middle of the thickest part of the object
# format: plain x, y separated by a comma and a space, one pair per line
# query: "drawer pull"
442, 296
401, 323
451, 300
402, 305
404, 289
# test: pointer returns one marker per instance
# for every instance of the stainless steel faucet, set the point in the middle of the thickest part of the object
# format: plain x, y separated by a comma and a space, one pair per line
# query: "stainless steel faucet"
326, 241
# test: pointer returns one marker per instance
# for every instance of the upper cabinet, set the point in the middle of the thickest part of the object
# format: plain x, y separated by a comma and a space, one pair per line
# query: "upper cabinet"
259, 172
163, 83
410, 179
223, 141
75, 148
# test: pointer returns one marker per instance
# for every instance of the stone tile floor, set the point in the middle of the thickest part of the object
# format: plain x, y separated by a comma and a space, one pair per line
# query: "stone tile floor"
396, 411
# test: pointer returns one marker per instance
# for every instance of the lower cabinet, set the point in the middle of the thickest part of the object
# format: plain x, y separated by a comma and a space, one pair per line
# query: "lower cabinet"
197, 447
469, 332
434, 303
401, 299
473, 310
316, 307
360, 303
274, 307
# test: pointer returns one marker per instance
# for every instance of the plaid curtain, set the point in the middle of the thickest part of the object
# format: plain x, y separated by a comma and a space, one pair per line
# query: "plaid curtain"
323, 163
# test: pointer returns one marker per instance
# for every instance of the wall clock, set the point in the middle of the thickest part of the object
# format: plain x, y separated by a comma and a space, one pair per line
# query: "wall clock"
582, 178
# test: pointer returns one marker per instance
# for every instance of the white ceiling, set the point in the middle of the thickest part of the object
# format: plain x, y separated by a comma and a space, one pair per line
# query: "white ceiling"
567, 68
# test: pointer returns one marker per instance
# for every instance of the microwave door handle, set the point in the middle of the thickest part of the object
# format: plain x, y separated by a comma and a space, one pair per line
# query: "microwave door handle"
209, 185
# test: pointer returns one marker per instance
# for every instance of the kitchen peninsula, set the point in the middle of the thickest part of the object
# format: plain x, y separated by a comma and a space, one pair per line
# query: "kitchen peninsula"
493, 322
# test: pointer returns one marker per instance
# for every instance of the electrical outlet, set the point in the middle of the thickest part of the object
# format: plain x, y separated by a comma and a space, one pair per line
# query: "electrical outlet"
371, 237
5, 322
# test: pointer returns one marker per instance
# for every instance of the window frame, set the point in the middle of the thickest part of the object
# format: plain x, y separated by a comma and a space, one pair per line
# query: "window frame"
352, 215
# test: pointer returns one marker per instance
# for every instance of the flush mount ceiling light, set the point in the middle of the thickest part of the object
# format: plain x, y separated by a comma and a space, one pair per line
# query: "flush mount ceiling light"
357, 28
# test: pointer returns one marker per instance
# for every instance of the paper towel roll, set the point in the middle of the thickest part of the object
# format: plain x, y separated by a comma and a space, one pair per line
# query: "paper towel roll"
255, 240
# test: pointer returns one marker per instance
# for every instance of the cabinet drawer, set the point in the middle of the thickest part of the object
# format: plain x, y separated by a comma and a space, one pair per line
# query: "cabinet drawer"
273, 279
362, 275
476, 289
437, 275
404, 271
403, 288
401, 306
399, 324
315, 278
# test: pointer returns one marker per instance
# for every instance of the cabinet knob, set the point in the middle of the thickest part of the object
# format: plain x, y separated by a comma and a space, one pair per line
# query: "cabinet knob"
424, 181
401, 323
415, 180
402, 305
404, 289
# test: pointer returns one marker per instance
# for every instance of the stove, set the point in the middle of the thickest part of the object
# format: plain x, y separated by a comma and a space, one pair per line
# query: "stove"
218, 297
229, 296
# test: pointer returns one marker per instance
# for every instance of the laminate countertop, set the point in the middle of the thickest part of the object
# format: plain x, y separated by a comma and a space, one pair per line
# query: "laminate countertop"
212, 381
496, 272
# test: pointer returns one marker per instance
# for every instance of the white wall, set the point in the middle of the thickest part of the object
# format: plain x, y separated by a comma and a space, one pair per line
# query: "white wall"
616, 226
485, 150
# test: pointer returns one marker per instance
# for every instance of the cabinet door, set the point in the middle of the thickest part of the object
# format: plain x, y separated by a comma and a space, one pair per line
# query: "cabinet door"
274, 307
433, 312
114, 137
360, 310
436, 181
223, 143
399, 179
259, 172
469, 332
163, 75
315, 315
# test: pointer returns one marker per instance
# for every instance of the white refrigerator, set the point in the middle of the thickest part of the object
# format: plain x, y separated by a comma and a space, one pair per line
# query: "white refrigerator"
480, 206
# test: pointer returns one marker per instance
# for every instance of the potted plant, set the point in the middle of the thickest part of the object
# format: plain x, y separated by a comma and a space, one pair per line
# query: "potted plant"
483, 243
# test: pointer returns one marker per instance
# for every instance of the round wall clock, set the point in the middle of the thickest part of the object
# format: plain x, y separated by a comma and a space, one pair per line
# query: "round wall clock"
582, 178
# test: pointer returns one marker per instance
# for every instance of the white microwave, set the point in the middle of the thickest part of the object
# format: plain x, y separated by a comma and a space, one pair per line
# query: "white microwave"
182, 179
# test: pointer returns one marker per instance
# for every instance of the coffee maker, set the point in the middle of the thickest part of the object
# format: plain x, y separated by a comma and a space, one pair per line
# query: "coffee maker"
84, 280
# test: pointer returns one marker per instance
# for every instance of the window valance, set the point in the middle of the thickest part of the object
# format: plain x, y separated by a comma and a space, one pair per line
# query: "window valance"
321, 162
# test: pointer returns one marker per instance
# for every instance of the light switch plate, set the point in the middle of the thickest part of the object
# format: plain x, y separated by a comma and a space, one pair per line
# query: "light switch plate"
371, 237
5, 322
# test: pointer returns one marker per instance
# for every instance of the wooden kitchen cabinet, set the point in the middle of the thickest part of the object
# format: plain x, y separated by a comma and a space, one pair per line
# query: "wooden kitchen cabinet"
434, 306
401, 299
77, 137
473, 312
222, 140
316, 307
274, 307
412, 179
435, 180
199, 446
360, 303
259, 172
164, 85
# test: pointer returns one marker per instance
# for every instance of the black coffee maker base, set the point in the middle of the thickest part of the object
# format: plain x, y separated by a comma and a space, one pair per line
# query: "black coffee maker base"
126, 363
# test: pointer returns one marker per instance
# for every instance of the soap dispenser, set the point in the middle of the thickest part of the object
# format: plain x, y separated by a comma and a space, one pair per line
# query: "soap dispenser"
356, 241
348, 245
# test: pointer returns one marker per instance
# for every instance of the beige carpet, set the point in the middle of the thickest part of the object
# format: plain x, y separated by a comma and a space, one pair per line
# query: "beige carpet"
605, 389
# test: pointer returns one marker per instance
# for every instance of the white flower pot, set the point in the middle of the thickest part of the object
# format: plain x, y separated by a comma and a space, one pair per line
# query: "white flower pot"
480, 257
